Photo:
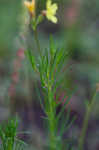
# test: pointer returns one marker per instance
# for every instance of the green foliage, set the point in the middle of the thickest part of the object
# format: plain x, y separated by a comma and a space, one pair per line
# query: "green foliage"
8, 136
49, 67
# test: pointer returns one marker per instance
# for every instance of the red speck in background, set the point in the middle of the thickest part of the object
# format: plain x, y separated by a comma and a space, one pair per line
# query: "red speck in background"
20, 53
72, 12
15, 77
11, 90
15, 74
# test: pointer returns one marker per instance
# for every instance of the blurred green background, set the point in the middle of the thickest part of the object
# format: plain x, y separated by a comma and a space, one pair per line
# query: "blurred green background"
78, 31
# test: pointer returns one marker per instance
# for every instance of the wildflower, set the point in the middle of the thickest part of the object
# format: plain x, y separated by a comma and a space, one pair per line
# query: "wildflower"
30, 6
51, 11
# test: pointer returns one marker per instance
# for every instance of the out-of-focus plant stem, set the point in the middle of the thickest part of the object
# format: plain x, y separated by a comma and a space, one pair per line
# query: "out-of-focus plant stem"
85, 123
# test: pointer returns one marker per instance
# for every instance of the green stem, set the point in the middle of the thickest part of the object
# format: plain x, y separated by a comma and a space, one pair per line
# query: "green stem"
37, 42
85, 123
51, 117
52, 127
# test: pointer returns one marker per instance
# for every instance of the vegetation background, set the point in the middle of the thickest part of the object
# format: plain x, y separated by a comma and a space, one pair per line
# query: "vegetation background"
77, 30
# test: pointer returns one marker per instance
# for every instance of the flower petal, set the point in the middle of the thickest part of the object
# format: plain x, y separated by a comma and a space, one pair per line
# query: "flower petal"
54, 8
51, 11
30, 6
48, 4
53, 19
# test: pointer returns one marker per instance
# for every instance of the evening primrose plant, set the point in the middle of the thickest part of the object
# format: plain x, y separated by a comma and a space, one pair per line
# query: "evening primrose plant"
48, 66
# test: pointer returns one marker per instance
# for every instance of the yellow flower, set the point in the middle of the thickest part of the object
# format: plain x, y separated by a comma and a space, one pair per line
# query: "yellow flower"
30, 6
51, 11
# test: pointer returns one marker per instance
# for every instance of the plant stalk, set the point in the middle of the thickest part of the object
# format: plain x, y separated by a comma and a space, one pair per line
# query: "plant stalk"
51, 123
37, 42
51, 117
85, 123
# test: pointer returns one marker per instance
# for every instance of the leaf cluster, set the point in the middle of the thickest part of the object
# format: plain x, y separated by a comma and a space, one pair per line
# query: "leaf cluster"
50, 69
8, 136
